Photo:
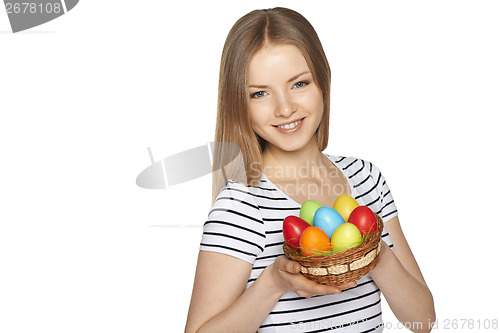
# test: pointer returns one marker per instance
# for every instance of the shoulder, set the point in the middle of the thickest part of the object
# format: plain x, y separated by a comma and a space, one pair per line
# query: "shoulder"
234, 225
354, 166
236, 198
251, 194
369, 186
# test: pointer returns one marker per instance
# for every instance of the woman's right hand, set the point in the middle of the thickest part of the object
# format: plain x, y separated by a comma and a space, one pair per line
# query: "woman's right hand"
285, 274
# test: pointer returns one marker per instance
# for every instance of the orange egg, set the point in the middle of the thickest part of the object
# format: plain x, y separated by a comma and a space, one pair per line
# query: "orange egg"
314, 240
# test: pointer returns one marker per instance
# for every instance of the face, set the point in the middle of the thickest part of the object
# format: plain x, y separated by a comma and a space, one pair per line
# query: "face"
285, 104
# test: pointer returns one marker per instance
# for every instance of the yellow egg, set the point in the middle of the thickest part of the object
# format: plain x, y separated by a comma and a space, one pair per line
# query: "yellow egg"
346, 235
345, 204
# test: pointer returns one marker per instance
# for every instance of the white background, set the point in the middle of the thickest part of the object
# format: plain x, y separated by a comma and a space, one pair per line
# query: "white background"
415, 90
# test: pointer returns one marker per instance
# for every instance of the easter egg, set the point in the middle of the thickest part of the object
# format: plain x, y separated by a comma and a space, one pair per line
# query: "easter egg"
346, 236
364, 218
345, 204
293, 227
328, 219
308, 209
313, 240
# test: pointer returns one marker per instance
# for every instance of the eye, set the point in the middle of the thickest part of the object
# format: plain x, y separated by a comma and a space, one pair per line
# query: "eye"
301, 84
258, 94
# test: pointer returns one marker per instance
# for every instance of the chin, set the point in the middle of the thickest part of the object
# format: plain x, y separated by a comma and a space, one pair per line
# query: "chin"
292, 146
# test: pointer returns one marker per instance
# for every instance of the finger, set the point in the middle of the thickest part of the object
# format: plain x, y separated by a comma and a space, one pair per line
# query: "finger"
288, 265
304, 294
348, 285
292, 267
318, 289
327, 290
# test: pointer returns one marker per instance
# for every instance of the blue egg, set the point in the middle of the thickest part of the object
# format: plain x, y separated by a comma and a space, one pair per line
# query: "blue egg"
327, 219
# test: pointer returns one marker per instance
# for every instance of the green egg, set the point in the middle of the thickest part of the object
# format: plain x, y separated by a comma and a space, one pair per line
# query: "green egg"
308, 209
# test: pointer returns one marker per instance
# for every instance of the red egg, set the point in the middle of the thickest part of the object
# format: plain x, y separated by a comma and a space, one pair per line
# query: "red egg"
292, 229
364, 218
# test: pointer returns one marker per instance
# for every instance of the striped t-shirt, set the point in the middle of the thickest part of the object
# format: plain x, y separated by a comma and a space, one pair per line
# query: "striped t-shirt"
246, 222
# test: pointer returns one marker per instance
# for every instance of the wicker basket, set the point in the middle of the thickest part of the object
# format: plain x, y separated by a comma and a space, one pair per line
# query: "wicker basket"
342, 267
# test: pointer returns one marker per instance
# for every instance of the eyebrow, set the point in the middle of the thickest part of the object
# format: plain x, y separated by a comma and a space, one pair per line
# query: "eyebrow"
295, 77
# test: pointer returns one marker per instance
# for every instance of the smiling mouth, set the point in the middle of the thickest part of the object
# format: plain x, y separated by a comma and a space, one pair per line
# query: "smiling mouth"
289, 125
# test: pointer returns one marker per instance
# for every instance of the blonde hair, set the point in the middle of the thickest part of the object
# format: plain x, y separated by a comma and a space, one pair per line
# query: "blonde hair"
248, 35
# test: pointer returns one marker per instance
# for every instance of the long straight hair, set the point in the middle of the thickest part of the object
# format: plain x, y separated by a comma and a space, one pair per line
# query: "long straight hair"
248, 35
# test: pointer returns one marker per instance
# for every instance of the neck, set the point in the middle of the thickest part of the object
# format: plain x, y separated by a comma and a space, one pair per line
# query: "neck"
286, 163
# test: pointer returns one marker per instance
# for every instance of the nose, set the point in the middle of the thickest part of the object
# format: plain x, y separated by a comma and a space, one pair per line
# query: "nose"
285, 106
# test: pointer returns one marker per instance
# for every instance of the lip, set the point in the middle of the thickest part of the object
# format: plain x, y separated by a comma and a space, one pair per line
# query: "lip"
290, 130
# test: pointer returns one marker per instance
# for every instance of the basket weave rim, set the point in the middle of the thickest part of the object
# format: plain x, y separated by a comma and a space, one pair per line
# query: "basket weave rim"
343, 267
370, 242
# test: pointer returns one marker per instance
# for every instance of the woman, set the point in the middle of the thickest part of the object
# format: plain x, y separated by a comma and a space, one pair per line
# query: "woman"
274, 96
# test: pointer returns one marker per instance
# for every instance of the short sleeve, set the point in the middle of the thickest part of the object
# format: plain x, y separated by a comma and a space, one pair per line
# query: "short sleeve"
387, 206
234, 225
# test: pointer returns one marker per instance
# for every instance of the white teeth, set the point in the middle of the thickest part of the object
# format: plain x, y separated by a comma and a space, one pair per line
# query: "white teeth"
289, 126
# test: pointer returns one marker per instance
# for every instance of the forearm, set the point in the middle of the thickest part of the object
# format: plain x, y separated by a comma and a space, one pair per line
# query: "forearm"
410, 300
247, 312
